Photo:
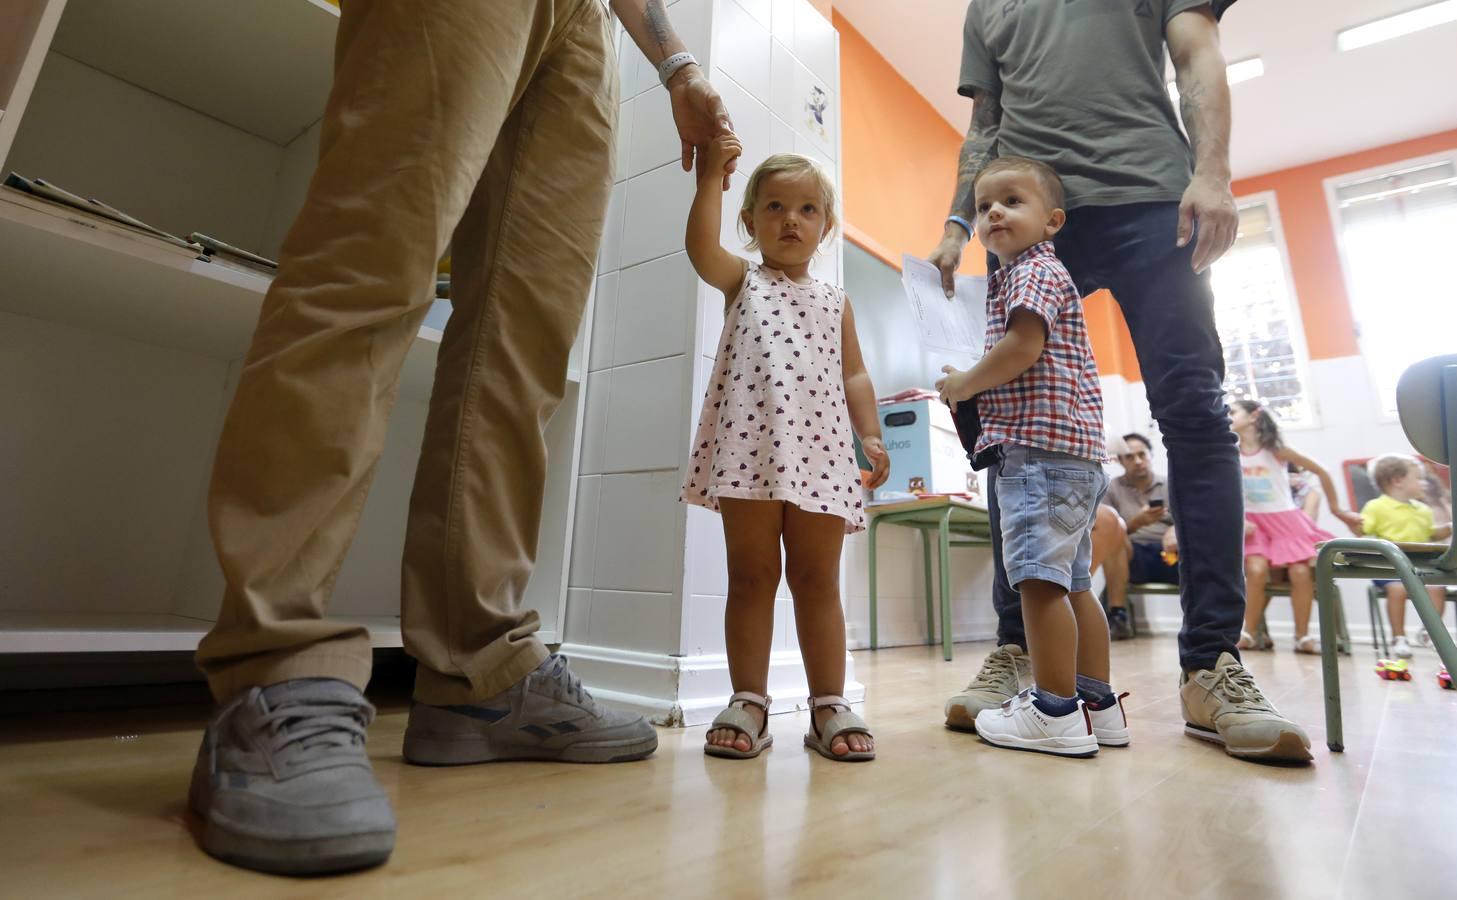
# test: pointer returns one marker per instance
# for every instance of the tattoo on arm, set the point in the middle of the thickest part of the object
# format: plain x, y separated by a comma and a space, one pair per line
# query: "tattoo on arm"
1191, 109
658, 24
979, 148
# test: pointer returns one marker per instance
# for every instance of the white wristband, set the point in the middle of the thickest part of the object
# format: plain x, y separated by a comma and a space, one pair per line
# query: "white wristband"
672, 64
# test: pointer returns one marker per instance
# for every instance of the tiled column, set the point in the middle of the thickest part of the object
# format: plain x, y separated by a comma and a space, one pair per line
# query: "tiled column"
648, 575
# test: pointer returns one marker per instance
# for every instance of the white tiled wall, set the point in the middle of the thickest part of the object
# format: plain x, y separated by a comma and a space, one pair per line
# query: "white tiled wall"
645, 416
604, 321
654, 141
656, 213
639, 544
648, 573
657, 302
742, 50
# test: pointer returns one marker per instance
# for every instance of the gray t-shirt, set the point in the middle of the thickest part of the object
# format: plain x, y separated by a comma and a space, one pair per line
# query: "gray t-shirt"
1082, 89
1128, 501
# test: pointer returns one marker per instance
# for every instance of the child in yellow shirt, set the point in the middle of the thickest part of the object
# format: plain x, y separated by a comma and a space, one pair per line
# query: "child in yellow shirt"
1398, 516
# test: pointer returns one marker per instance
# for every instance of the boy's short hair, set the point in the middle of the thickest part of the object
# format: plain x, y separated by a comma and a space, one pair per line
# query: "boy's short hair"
1391, 467
1047, 177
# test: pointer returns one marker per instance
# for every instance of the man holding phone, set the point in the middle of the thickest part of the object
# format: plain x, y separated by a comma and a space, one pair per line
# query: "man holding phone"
1141, 497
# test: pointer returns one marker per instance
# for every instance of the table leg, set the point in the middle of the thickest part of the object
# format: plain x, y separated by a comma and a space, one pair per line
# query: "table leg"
930, 590
945, 535
874, 636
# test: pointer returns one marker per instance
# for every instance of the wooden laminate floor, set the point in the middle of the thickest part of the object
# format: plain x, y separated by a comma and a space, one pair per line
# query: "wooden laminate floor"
93, 806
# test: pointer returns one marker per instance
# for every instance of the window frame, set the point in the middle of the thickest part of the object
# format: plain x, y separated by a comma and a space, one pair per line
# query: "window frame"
1301, 352
1333, 209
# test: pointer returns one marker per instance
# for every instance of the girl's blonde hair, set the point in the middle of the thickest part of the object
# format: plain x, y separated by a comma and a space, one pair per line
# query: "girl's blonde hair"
789, 164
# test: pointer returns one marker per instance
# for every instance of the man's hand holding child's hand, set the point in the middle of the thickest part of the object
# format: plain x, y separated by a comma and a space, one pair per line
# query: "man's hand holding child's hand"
716, 159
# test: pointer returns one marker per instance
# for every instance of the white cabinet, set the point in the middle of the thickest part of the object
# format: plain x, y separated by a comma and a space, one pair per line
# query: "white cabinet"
118, 353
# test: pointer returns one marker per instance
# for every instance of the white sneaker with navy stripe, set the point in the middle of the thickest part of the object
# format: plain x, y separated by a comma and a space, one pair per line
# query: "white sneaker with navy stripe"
1019, 724
1110, 722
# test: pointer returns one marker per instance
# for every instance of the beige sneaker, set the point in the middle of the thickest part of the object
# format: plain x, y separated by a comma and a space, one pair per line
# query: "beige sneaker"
999, 680
1223, 705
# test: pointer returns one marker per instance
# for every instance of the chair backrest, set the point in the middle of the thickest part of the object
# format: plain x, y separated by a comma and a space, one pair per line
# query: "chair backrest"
1426, 402
1359, 486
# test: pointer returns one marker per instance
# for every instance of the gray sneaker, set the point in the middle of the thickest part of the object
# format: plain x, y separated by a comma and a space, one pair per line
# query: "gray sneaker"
283, 785
546, 716
999, 680
1223, 705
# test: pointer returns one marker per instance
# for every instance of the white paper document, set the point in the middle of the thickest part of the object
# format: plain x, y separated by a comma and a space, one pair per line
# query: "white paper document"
951, 330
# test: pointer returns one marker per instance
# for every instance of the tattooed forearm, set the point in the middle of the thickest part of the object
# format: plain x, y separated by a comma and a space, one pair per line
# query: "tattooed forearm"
648, 23
979, 148
1203, 89
658, 24
1192, 103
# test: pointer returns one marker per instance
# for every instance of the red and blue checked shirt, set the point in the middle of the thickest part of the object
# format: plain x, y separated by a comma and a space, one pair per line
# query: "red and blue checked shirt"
1058, 403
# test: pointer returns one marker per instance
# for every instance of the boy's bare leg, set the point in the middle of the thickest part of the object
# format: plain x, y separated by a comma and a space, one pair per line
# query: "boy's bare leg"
1396, 609
1052, 636
1092, 653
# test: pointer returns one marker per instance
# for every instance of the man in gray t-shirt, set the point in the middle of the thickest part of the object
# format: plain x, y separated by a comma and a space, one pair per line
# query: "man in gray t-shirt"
1140, 496
1079, 85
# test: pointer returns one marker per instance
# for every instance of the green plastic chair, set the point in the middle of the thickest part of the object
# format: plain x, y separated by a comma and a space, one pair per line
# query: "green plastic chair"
1426, 401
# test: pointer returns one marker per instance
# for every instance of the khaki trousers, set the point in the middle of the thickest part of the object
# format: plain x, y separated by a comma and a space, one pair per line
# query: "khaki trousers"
485, 128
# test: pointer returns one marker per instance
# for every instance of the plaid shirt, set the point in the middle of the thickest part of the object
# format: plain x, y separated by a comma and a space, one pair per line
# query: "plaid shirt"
1058, 403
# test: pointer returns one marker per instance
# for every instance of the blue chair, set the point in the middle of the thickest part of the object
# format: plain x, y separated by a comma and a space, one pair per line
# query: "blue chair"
1426, 401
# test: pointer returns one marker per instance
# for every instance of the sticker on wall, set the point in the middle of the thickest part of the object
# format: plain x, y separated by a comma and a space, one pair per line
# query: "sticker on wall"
814, 108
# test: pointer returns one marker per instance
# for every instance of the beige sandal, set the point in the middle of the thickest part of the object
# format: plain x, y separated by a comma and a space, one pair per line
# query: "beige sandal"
841, 723
736, 718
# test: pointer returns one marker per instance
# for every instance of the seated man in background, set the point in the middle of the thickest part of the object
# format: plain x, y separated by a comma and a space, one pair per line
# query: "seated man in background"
1141, 498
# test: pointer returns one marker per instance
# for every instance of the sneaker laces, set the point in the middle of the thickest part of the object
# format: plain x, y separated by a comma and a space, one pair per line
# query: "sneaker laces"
307, 726
998, 668
1237, 685
568, 684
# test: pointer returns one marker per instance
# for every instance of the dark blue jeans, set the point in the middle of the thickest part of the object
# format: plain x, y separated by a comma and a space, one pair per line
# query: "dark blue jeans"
1170, 313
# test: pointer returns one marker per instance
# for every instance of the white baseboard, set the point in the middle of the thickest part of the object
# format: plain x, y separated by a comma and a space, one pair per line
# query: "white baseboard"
684, 691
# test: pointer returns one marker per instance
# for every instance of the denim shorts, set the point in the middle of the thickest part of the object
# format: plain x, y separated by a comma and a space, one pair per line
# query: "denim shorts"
1048, 502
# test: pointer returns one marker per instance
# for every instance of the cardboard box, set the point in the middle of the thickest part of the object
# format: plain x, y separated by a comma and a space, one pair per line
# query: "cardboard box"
922, 442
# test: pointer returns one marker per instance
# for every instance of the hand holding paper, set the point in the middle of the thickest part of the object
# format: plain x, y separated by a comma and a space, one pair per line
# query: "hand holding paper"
949, 330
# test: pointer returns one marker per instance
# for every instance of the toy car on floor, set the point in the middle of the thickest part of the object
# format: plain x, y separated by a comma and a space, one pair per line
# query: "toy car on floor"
1445, 680
1393, 669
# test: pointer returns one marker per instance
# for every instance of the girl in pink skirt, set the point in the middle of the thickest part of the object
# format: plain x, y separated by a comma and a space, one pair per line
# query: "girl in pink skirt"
1278, 534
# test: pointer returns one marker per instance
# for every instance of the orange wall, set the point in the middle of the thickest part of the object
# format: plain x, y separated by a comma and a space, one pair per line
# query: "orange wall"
898, 158
1310, 235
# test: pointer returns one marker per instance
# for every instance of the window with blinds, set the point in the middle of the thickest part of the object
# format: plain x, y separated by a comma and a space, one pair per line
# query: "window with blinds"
1259, 323
1396, 232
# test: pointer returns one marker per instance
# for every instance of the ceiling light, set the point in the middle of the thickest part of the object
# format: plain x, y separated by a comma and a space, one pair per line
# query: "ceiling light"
1234, 73
1396, 26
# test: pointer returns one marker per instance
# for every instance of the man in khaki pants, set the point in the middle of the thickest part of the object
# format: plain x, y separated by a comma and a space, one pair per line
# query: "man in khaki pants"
485, 129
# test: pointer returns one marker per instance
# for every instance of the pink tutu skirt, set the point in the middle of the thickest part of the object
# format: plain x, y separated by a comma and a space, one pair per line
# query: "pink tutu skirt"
1284, 537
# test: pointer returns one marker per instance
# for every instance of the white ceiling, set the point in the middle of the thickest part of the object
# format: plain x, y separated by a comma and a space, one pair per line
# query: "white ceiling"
1312, 102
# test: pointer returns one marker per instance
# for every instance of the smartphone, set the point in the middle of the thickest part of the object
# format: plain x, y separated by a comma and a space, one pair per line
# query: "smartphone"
1156, 504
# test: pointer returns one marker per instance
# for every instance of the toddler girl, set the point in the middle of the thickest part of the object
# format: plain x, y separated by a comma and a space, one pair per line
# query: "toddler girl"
774, 452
